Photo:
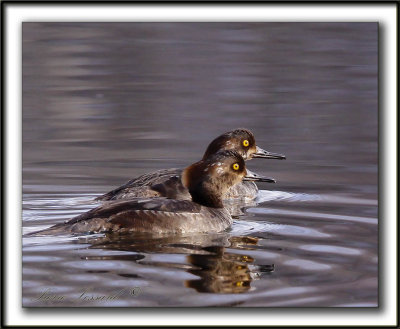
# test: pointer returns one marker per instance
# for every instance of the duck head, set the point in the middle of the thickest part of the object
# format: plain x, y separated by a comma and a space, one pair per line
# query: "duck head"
209, 179
242, 141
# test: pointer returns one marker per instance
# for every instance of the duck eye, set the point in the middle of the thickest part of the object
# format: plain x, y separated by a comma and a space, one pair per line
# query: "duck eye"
246, 143
235, 166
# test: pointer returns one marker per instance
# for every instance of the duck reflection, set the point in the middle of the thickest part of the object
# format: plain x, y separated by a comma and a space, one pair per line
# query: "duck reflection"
220, 272
218, 260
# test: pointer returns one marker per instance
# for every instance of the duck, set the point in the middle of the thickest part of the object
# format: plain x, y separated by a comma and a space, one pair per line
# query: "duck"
167, 182
207, 181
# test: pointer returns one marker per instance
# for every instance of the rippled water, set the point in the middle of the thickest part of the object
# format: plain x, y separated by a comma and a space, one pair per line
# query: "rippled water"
103, 103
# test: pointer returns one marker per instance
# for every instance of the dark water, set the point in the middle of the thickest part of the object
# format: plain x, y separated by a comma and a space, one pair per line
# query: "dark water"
103, 103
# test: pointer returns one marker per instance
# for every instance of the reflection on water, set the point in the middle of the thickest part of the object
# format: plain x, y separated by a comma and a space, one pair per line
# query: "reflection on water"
103, 103
219, 271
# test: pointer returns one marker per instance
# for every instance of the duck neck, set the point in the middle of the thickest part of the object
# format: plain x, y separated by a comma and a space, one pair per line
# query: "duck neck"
204, 190
206, 198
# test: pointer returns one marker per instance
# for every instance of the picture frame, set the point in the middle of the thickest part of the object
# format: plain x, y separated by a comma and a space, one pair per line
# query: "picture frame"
14, 13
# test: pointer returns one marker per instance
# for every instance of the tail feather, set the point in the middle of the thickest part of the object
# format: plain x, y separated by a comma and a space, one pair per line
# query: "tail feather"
53, 230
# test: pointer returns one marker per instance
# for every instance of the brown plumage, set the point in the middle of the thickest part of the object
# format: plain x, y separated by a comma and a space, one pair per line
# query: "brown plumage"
207, 181
151, 184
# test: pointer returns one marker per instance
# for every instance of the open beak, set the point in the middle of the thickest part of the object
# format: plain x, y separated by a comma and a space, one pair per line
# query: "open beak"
260, 153
253, 177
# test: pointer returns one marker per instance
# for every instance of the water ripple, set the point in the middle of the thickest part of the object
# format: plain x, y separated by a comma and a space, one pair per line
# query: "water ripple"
312, 215
268, 195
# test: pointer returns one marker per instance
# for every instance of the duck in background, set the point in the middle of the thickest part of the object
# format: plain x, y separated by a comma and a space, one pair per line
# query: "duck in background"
168, 182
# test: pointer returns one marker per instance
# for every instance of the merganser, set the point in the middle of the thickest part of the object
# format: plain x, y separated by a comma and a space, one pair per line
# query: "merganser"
207, 182
167, 182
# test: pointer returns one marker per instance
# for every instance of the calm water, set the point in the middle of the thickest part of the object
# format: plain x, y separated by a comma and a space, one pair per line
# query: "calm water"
103, 103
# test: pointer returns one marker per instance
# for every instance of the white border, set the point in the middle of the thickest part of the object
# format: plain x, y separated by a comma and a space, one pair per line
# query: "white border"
385, 14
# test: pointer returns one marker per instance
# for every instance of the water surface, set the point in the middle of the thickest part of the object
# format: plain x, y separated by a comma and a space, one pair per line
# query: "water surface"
105, 102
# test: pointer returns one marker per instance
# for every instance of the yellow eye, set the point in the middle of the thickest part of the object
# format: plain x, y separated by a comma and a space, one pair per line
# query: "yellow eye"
246, 143
235, 166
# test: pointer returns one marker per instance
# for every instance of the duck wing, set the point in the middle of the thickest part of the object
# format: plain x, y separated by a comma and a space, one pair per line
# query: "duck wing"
133, 187
141, 215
